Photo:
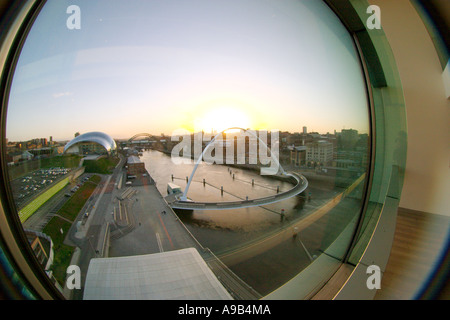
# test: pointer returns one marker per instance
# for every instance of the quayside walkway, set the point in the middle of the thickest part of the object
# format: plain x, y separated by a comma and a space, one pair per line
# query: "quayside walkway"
157, 229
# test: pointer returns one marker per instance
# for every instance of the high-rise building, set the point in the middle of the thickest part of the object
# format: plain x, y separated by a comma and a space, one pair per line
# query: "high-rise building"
298, 156
319, 153
305, 130
348, 138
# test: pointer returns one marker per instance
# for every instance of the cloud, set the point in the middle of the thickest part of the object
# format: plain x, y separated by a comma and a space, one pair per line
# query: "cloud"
62, 94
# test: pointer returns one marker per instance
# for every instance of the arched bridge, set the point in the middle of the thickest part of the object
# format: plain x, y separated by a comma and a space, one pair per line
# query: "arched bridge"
148, 135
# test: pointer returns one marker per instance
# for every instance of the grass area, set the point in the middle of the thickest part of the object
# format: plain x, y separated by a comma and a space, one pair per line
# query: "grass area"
102, 165
95, 179
62, 253
66, 161
73, 206
70, 210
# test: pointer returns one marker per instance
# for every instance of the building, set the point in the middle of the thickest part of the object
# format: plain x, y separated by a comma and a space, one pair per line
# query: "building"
319, 153
13, 157
174, 275
135, 166
27, 155
348, 138
91, 143
298, 156
358, 158
42, 246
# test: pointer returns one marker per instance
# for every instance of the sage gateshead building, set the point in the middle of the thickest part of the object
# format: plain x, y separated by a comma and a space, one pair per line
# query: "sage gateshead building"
91, 143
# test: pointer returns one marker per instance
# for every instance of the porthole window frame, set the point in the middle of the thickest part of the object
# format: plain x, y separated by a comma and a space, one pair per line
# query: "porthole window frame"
373, 236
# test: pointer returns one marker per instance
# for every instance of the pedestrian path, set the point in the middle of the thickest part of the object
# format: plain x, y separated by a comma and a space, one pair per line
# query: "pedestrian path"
158, 229
176, 203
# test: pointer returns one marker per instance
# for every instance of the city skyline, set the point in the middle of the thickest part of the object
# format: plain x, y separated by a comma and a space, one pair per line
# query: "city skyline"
158, 67
175, 134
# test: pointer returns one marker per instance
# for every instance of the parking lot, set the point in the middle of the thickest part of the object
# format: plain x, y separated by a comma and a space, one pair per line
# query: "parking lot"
27, 187
81, 180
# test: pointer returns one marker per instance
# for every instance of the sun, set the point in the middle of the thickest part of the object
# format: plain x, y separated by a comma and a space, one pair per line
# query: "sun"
221, 117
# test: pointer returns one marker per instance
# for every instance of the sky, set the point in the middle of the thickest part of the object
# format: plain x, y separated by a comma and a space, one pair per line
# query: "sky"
157, 66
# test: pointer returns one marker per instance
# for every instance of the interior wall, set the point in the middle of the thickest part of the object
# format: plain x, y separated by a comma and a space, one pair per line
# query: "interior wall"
427, 174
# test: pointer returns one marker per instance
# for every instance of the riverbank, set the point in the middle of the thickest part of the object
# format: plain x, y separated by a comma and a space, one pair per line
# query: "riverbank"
224, 231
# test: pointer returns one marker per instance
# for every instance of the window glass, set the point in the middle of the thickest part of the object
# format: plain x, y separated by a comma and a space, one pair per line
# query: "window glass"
114, 104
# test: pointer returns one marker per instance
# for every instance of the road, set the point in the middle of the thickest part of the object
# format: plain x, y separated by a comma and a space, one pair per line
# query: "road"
88, 236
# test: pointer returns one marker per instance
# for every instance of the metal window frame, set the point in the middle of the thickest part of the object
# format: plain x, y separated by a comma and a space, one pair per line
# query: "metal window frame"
386, 173
16, 20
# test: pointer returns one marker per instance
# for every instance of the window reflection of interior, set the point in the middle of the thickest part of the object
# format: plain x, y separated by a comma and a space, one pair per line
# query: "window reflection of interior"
168, 71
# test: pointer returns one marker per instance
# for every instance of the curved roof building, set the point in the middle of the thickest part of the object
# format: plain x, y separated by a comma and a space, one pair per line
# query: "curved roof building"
101, 141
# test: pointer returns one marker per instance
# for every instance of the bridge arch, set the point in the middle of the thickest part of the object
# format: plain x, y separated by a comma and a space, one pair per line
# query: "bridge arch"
184, 196
148, 135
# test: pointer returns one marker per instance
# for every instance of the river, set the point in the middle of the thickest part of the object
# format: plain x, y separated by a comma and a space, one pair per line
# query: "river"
223, 231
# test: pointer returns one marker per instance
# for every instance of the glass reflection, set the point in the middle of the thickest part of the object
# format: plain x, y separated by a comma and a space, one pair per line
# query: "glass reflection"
139, 72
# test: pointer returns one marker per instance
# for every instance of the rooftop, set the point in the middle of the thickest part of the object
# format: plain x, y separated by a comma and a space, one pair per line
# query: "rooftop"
173, 275
133, 159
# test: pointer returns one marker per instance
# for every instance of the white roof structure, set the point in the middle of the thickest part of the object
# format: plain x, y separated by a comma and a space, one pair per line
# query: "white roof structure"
173, 275
133, 159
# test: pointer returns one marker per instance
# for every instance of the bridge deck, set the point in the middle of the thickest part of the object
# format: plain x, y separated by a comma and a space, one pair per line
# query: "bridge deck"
301, 185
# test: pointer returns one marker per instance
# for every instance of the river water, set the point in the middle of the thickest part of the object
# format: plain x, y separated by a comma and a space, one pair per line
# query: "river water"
225, 230
230, 227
